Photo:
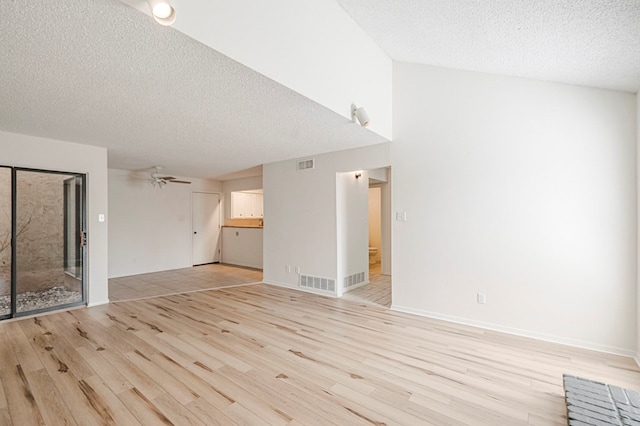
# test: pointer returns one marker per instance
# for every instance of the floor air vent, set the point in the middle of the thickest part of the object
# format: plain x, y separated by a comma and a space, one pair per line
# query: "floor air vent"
354, 279
318, 283
306, 164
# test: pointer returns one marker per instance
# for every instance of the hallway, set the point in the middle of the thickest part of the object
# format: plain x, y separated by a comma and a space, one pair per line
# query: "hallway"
377, 292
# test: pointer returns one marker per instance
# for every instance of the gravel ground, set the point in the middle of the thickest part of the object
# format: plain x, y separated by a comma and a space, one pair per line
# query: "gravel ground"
32, 300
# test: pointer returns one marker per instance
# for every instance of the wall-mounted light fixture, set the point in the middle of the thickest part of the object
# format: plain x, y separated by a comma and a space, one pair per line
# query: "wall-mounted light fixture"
358, 175
162, 12
361, 115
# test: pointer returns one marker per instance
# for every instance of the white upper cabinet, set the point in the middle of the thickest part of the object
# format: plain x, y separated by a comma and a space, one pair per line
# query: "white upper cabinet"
246, 205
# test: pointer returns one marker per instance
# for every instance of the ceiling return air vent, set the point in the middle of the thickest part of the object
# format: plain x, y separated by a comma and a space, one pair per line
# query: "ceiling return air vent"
306, 164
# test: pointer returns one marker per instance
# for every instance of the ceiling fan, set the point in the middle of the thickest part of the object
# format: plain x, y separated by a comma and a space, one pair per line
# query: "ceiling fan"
157, 179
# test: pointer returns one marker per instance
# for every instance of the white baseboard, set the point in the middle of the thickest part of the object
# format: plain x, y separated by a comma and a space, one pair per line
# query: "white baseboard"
279, 284
102, 302
241, 263
353, 287
519, 332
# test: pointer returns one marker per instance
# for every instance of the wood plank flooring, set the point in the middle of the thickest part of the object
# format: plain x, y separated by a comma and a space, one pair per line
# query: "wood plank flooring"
263, 355
203, 277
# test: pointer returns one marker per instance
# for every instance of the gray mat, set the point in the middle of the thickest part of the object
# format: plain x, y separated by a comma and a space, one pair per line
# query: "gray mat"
598, 404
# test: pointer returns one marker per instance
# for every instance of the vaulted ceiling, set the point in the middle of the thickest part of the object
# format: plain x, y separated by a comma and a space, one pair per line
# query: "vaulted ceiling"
585, 42
102, 73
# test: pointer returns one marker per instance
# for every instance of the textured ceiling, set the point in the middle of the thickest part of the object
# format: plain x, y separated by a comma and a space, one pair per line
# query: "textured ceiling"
586, 42
102, 73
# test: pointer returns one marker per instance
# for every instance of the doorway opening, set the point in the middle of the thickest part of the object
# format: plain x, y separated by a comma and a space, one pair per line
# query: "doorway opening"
42, 241
378, 290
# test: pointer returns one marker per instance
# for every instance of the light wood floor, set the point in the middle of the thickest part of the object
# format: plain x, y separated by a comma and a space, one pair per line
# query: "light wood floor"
260, 354
184, 280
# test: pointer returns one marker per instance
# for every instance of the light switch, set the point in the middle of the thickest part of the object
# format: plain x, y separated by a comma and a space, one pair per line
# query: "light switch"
401, 216
101, 217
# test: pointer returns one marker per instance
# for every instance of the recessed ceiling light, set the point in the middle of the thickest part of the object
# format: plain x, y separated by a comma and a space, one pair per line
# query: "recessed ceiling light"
162, 12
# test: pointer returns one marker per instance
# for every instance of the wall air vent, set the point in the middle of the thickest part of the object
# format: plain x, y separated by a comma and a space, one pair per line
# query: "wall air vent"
318, 283
354, 279
306, 164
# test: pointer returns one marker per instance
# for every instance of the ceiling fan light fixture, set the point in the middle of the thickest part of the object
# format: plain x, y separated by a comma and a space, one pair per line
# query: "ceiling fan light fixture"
162, 12
159, 180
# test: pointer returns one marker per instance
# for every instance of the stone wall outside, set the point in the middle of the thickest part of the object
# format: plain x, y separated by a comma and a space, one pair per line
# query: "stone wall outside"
40, 247
5, 231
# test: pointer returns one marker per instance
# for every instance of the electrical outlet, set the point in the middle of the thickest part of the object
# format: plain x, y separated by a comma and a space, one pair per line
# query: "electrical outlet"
401, 216
481, 298
287, 269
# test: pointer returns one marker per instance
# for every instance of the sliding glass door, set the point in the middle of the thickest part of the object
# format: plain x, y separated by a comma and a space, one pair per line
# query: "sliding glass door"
46, 260
73, 226
5, 241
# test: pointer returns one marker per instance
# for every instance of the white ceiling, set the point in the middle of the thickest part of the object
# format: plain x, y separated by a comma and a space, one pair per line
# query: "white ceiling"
102, 73
585, 42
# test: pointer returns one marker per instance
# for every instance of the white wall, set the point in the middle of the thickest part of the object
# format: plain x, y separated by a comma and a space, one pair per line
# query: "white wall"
385, 253
242, 184
49, 154
386, 239
300, 213
352, 227
375, 216
150, 229
312, 47
637, 356
520, 189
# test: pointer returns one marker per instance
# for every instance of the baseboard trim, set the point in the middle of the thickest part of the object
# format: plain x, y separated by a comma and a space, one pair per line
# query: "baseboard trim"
242, 264
353, 287
279, 284
519, 332
102, 302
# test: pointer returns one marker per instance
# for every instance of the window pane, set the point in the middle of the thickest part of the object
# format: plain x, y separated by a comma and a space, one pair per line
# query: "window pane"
5, 241
46, 235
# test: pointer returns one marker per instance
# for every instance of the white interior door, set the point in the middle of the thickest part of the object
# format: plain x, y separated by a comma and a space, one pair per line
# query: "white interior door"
206, 228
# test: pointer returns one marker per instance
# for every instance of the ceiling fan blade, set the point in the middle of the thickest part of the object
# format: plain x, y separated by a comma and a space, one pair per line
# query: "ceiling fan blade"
168, 178
179, 181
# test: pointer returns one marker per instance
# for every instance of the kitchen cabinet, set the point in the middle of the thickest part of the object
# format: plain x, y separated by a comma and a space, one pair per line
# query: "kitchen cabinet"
246, 205
242, 246
258, 205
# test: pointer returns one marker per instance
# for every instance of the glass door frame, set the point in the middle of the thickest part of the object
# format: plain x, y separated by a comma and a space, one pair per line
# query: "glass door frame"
12, 238
83, 245
78, 225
